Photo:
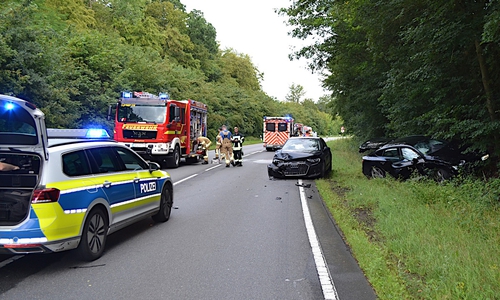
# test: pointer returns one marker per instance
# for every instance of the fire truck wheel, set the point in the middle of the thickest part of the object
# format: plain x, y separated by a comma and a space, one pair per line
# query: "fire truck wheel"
176, 158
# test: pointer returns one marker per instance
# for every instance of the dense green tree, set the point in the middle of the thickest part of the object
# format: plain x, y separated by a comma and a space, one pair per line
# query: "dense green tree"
73, 58
407, 67
295, 93
238, 68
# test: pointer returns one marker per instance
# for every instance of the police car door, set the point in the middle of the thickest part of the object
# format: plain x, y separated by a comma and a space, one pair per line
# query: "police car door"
117, 184
146, 186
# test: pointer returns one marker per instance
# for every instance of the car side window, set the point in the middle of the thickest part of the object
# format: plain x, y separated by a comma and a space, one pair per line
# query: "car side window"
322, 144
104, 160
130, 160
409, 154
392, 152
75, 164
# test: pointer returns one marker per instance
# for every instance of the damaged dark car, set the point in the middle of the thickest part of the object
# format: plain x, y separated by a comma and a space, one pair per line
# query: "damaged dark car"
301, 157
421, 155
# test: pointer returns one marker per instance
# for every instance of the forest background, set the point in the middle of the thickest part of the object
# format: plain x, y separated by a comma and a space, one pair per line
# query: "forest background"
405, 67
73, 58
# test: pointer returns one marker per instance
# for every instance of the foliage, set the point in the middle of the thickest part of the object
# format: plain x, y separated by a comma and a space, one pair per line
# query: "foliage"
296, 93
73, 58
408, 67
417, 239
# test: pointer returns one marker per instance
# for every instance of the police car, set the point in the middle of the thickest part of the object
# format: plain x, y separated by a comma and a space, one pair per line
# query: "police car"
70, 189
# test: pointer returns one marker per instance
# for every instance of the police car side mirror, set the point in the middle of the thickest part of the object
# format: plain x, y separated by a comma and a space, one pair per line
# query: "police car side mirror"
153, 166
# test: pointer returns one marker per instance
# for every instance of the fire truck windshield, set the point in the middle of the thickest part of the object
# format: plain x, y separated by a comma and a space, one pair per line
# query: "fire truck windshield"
134, 113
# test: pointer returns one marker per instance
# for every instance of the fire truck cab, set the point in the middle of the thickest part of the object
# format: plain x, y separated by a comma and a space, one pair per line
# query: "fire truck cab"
277, 130
160, 129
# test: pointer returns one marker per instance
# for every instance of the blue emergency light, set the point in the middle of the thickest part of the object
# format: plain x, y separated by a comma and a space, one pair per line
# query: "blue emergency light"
9, 106
96, 133
164, 96
126, 94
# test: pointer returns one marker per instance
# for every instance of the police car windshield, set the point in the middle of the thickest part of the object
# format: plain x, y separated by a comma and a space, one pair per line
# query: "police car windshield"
16, 125
133, 113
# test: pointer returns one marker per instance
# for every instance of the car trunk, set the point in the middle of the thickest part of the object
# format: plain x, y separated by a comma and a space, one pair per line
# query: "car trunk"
18, 179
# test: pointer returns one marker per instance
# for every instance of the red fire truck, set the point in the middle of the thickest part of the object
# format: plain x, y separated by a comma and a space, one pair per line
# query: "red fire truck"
160, 129
277, 130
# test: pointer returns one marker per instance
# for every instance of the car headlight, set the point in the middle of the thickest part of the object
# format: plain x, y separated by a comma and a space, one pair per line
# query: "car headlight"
277, 161
314, 160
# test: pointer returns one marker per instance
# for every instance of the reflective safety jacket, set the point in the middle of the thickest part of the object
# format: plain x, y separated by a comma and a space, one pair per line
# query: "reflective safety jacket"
238, 140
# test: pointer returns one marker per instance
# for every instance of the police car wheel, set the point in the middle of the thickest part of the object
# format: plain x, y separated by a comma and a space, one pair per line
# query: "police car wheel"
94, 235
165, 206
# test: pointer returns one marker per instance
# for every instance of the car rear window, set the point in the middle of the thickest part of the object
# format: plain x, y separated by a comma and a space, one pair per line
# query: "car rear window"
270, 127
17, 126
282, 127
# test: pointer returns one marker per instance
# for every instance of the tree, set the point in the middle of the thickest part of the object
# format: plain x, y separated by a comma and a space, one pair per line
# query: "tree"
407, 67
295, 94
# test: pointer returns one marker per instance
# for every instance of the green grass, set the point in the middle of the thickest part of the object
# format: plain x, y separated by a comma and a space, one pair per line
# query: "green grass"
417, 239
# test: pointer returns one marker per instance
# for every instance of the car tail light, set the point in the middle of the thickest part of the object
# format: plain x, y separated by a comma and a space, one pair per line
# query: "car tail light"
45, 195
13, 246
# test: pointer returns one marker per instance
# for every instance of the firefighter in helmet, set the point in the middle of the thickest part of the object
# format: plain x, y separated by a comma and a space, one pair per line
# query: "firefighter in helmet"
227, 145
204, 143
237, 140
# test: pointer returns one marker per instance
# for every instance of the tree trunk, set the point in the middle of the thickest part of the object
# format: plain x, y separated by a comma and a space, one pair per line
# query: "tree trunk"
486, 82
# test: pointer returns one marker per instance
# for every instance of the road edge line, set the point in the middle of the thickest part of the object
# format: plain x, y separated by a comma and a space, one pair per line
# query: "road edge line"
325, 278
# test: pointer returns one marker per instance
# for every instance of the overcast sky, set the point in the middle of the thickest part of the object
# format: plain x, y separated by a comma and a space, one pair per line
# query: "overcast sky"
253, 28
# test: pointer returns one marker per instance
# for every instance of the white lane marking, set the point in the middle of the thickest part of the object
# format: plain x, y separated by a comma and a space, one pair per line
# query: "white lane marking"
10, 260
263, 161
255, 152
211, 168
325, 278
184, 179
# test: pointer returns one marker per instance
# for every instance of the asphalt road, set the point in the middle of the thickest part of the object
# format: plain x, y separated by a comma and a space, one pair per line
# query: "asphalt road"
234, 234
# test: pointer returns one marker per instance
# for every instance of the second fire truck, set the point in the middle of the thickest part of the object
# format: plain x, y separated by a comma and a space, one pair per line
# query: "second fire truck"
277, 130
160, 129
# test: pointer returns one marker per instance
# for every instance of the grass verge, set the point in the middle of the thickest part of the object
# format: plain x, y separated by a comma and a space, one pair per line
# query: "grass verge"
417, 239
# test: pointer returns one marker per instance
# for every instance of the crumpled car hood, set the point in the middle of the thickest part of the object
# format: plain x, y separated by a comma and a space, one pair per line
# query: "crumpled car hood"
293, 155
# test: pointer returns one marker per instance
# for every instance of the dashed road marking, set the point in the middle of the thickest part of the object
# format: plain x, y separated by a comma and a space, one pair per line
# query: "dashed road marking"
184, 179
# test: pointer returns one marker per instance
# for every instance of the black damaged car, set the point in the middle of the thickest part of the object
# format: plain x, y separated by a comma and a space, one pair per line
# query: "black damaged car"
421, 155
301, 157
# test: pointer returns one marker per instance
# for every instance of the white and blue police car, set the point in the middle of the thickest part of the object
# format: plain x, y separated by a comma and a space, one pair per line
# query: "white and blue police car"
63, 189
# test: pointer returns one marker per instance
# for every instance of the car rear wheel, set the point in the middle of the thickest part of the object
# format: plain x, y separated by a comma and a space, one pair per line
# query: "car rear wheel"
166, 203
94, 235
377, 172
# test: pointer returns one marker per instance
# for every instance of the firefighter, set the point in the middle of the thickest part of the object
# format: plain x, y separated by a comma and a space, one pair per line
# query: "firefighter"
204, 143
218, 144
227, 146
238, 140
